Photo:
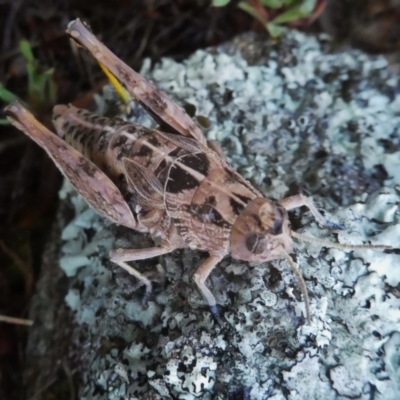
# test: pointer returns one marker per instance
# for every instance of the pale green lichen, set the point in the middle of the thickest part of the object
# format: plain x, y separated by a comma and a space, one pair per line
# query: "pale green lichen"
327, 121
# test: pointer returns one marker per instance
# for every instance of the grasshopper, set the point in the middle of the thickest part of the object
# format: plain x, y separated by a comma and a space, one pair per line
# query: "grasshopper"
170, 183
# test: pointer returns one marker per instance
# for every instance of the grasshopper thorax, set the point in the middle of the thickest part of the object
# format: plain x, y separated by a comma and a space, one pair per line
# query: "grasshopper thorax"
261, 232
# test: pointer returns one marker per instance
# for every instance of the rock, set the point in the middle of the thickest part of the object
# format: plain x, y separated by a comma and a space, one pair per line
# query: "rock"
291, 116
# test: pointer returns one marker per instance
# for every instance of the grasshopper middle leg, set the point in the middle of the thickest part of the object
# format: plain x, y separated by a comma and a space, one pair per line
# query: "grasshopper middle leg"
121, 256
201, 275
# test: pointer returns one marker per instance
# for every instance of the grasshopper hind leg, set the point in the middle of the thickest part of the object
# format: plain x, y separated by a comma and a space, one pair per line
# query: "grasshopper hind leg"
122, 256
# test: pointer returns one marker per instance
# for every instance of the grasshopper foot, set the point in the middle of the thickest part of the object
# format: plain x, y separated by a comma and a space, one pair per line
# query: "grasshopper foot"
146, 296
216, 315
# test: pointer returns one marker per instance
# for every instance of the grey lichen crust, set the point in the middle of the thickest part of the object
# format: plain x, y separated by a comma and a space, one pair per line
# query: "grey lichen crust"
291, 116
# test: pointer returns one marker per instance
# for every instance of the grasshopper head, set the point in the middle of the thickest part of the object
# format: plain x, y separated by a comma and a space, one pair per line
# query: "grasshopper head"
261, 232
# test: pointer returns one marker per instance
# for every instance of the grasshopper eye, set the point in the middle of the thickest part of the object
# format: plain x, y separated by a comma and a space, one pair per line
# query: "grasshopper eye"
277, 226
276, 229
272, 218
256, 243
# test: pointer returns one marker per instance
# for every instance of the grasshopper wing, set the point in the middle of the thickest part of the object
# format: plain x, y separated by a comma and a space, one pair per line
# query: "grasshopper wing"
89, 181
155, 101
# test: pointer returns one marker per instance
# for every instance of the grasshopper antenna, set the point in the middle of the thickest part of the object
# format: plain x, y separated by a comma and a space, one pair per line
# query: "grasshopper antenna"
302, 284
324, 243
335, 245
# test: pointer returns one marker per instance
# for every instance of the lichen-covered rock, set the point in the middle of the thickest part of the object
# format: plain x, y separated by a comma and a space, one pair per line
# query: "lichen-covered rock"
291, 116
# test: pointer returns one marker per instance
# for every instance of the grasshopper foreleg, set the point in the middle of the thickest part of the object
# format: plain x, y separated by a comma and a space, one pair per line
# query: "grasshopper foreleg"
300, 200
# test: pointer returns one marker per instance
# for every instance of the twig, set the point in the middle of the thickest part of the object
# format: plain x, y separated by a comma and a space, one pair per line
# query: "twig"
16, 321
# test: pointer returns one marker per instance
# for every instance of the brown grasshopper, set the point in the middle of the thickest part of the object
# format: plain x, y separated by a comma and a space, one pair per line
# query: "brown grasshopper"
172, 184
